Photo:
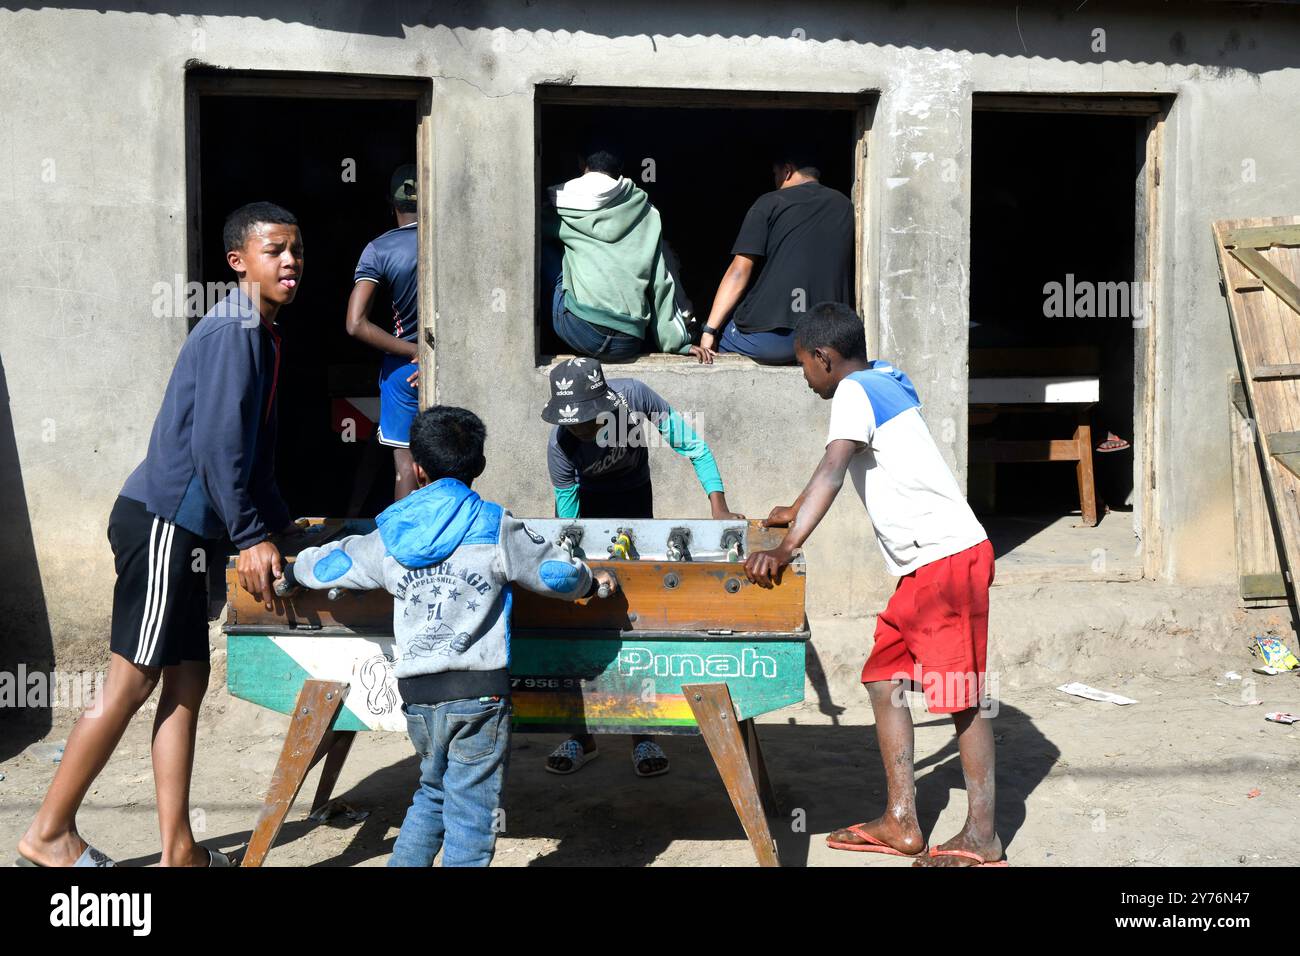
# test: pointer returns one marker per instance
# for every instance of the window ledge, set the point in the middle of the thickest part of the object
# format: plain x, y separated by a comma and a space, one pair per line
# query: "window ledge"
663, 361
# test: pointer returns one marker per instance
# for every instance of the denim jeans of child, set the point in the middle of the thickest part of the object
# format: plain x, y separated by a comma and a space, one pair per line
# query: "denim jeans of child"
769, 348
464, 746
579, 335
587, 339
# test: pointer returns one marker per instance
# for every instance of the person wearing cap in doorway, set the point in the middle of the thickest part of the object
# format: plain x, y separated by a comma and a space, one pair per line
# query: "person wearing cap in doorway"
600, 468
391, 262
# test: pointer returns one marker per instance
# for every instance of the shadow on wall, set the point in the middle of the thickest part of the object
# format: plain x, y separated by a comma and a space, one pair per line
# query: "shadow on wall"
24, 620
1222, 37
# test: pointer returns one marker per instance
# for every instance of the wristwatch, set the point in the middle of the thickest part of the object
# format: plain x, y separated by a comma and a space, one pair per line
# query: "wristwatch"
712, 331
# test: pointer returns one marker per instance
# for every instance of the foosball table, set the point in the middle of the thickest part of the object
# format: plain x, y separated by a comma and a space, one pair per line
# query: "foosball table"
686, 645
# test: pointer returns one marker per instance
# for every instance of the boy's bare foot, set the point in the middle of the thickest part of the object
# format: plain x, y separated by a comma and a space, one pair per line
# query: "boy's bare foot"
61, 850
988, 849
903, 835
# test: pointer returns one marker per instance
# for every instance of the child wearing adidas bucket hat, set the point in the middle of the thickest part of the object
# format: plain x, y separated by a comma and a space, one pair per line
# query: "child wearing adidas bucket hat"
599, 466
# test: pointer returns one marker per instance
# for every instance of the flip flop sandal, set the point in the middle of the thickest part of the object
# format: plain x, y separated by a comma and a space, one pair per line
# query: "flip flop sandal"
571, 750
1116, 444
871, 846
648, 750
968, 855
217, 858
89, 857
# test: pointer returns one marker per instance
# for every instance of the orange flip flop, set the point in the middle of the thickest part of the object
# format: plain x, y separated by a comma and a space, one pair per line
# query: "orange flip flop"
968, 855
871, 846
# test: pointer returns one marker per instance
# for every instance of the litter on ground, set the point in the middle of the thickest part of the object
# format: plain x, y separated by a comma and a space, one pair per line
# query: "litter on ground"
1091, 693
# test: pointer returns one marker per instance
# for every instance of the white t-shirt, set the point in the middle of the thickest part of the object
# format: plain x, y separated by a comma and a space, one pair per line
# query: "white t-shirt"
911, 496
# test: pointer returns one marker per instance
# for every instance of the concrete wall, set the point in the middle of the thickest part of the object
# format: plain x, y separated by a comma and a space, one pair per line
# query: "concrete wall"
92, 214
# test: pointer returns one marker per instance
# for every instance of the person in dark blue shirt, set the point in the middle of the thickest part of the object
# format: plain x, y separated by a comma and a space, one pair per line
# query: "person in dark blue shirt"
391, 263
209, 472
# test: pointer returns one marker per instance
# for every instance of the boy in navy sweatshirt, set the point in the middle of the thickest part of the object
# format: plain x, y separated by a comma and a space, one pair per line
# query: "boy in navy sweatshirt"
449, 559
209, 472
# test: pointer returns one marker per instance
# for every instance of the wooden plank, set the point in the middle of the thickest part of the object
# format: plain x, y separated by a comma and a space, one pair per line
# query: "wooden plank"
1258, 587
673, 595
426, 244
653, 595
1266, 333
1263, 372
758, 766
1279, 284
307, 741
355, 612
1289, 460
1046, 449
861, 133
1148, 409
337, 748
1284, 443
1259, 571
1046, 390
1134, 104
695, 98
720, 728
1083, 472
306, 85
193, 194
1237, 396
706, 595
1262, 237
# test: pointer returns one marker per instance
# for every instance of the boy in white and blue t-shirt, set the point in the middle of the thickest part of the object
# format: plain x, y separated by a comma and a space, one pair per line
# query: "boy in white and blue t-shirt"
933, 635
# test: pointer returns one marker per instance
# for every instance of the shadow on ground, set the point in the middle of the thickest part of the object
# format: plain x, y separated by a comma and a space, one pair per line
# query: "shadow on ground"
824, 776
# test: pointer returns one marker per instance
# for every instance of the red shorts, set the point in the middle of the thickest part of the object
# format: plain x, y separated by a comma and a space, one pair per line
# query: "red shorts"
934, 632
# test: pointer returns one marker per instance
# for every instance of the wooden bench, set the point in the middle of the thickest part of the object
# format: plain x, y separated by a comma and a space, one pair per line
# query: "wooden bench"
1073, 394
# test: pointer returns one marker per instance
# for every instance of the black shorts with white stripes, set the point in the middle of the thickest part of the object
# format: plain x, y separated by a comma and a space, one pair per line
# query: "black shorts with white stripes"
160, 600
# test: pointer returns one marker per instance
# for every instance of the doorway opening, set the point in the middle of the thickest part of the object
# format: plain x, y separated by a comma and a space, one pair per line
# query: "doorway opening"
1061, 323
338, 140
702, 157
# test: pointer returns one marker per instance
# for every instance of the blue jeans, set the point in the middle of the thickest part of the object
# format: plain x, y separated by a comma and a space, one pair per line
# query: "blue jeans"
579, 335
771, 348
464, 746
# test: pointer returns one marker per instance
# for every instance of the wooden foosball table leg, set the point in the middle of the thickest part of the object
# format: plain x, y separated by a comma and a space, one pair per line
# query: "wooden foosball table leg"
740, 766
339, 744
308, 740
758, 766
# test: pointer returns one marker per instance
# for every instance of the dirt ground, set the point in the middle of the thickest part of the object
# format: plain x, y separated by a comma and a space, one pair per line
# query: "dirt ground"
1166, 781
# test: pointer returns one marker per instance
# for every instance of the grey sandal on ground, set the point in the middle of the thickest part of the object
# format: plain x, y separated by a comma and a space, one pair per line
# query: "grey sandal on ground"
89, 857
570, 750
217, 858
648, 750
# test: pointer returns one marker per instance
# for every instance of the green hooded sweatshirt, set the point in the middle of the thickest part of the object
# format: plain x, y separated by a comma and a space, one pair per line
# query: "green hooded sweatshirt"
614, 270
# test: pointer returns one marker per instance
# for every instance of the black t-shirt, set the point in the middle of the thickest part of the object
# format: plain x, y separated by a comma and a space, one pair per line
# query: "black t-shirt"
805, 235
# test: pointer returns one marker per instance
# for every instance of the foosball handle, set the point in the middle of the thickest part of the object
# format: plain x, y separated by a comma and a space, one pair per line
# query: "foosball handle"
286, 583
603, 590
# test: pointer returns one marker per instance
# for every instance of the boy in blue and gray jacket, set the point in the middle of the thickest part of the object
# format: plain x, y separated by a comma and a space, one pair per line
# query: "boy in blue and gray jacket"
449, 559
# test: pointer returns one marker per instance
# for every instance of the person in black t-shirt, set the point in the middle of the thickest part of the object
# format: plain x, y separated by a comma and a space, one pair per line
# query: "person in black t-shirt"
803, 232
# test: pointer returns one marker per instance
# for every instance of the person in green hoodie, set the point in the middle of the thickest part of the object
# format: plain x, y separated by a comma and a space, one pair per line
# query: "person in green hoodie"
605, 265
